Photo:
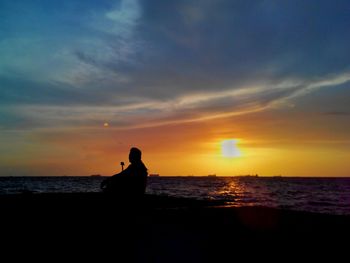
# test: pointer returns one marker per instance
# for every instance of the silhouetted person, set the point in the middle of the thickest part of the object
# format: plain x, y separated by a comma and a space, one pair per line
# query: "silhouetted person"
131, 181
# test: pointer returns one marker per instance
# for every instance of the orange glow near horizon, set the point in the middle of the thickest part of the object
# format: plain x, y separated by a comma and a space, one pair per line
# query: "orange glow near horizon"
195, 149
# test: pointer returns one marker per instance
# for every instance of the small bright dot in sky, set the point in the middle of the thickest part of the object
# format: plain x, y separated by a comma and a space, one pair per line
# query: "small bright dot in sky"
230, 149
106, 124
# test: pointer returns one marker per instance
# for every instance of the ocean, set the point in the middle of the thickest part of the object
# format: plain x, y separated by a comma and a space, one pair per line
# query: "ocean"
322, 195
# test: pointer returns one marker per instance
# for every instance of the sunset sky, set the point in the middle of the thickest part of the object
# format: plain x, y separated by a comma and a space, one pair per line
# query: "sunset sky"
201, 87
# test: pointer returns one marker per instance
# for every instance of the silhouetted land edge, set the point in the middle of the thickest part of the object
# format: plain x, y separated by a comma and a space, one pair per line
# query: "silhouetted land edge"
165, 229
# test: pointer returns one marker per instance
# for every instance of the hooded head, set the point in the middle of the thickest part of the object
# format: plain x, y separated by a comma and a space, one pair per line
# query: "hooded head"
134, 155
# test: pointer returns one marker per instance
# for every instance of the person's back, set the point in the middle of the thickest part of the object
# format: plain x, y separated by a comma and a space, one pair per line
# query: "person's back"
130, 182
136, 179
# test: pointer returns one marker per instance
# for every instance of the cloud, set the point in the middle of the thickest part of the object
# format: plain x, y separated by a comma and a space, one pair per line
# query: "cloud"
150, 113
186, 48
337, 113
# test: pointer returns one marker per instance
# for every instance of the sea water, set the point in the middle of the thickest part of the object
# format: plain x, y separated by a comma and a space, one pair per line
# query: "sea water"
324, 195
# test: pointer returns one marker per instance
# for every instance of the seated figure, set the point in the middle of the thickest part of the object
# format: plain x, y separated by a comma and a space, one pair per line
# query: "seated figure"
130, 182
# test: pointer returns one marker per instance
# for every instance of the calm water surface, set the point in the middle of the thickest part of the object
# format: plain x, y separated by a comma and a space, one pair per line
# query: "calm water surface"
325, 195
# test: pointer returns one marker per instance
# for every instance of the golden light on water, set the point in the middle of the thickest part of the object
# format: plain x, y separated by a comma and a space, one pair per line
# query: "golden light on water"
230, 149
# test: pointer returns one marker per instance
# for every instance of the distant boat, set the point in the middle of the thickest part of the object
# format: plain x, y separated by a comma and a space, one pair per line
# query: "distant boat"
95, 175
211, 175
248, 175
154, 175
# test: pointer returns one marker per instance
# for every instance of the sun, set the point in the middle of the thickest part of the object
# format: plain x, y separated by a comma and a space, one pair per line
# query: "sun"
230, 149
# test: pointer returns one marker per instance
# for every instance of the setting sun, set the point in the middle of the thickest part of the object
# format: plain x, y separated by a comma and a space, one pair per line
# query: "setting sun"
230, 149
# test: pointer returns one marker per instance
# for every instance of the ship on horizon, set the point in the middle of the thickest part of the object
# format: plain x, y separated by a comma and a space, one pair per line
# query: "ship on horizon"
95, 175
248, 175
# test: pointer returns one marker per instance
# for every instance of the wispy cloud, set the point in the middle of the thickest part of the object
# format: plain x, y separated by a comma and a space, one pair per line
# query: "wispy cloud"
149, 113
337, 113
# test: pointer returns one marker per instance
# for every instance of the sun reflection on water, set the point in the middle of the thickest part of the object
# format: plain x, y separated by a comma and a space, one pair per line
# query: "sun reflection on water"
238, 191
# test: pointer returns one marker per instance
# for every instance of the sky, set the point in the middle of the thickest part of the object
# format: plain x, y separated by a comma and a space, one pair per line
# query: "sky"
82, 81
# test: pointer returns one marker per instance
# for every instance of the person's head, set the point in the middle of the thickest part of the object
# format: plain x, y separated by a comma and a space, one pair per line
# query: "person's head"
134, 155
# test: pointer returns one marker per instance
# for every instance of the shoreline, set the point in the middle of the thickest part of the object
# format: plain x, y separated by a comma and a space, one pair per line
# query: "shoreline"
164, 229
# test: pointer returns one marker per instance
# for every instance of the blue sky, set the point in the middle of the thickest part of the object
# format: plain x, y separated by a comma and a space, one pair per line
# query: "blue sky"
191, 55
